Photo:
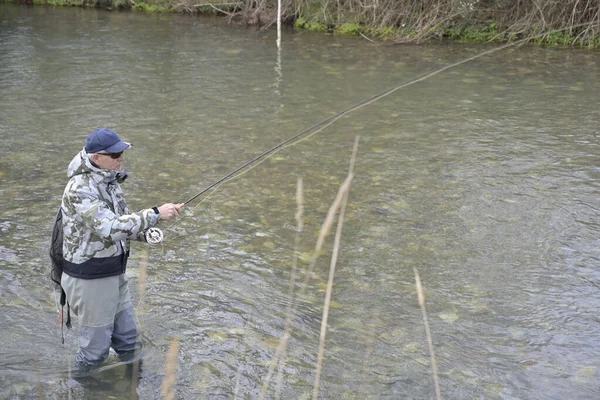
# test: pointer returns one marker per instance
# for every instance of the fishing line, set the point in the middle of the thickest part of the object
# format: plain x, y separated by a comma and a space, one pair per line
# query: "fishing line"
319, 126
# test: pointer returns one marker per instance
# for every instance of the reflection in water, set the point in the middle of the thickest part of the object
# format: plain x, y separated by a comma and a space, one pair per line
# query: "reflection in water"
484, 178
103, 382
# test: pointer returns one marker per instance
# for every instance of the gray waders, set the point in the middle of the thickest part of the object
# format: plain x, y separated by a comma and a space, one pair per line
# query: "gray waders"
106, 317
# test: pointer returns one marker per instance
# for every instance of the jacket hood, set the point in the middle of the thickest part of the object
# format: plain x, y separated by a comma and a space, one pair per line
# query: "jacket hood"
81, 164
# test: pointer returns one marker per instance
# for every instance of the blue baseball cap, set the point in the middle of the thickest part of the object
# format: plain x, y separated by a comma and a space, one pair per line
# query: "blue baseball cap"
104, 140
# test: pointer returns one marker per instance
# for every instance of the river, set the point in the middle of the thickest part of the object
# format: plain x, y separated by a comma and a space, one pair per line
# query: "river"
485, 178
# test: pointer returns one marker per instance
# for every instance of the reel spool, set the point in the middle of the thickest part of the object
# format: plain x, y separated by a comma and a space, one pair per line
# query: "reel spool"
154, 236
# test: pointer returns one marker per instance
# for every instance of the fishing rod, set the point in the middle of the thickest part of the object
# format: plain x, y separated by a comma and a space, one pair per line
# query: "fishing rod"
156, 236
284, 143
335, 117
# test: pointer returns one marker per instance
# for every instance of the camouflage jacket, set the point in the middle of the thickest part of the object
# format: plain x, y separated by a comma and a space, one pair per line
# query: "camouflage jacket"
97, 224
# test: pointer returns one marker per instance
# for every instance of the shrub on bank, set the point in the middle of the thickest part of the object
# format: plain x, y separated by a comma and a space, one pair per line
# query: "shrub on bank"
568, 22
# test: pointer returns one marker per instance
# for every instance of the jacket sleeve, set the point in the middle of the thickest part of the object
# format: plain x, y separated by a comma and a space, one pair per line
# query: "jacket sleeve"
95, 215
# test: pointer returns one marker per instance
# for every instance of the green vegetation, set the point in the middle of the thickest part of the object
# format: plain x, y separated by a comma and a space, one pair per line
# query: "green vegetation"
301, 23
557, 23
488, 33
151, 8
348, 29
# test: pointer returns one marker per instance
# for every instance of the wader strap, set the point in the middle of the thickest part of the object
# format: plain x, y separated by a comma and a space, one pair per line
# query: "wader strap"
62, 334
68, 323
63, 301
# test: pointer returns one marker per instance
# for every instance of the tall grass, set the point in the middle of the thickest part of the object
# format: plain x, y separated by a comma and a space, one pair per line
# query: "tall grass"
334, 256
280, 353
142, 280
339, 204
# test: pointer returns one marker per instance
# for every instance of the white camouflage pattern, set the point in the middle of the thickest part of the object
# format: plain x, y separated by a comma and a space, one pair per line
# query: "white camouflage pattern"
96, 220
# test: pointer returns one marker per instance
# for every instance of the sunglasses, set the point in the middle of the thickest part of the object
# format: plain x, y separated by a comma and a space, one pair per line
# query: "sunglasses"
114, 156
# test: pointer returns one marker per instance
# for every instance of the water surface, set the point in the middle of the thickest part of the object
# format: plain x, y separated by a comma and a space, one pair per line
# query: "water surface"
484, 178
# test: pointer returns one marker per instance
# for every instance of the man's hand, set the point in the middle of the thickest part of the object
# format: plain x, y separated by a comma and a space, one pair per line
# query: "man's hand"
170, 210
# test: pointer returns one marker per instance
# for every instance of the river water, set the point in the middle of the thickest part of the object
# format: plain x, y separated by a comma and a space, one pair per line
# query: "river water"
485, 178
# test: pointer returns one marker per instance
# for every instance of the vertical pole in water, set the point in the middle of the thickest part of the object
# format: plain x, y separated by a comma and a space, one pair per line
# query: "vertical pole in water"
278, 78
278, 24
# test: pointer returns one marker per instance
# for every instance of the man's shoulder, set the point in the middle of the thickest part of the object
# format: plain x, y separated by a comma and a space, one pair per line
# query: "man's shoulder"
79, 184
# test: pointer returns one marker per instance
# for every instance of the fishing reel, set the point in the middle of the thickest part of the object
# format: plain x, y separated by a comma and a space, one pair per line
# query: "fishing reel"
153, 236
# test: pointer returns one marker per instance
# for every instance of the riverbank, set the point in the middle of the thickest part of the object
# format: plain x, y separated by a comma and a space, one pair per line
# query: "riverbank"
568, 23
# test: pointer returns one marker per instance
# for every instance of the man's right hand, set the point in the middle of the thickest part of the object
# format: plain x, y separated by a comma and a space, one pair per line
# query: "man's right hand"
170, 210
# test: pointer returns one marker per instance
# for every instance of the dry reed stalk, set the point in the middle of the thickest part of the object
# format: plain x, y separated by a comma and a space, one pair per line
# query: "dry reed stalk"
275, 361
171, 371
135, 375
325, 229
143, 277
142, 280
421, 297
334, 256
279, 357
322, 235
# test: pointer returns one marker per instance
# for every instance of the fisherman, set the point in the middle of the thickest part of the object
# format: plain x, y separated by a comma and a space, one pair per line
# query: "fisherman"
97, 229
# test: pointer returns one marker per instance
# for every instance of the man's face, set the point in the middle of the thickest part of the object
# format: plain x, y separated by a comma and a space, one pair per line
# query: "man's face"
108, 161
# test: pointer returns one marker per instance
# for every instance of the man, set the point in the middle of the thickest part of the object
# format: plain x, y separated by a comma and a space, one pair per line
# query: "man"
97, 228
